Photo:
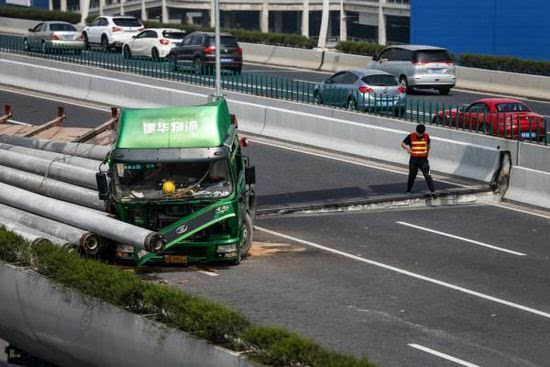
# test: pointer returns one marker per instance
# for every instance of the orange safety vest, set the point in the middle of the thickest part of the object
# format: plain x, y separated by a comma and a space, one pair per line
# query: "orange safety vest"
419, 146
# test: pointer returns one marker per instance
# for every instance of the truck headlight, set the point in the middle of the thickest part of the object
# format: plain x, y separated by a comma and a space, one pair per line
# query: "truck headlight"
227, 248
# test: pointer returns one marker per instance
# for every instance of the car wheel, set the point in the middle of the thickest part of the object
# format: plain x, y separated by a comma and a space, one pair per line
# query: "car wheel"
352, 105
197, 66
317, 98
444, 91
172, 61
403, 81
105, 43
77, 51
26, 45
155, 54
238, 71
44, 48
86, 42
126, 52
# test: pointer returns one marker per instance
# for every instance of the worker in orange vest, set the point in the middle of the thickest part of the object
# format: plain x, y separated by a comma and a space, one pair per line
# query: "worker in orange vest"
417, 144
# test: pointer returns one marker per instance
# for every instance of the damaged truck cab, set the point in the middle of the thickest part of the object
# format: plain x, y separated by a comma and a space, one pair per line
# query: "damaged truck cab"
181, 172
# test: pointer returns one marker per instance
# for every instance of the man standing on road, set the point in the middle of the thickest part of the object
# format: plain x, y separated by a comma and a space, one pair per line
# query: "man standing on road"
417, 144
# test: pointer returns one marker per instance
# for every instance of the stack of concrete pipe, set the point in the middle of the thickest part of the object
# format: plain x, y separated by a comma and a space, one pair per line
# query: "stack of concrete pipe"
48, 191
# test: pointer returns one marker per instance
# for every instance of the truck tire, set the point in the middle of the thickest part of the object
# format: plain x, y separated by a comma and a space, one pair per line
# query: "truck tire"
244, 251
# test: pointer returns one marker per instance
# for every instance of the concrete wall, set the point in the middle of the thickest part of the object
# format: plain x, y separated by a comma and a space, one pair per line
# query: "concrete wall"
454, 152
70, 329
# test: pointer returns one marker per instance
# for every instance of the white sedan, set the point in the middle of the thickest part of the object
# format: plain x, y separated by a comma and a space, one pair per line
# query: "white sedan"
152, 42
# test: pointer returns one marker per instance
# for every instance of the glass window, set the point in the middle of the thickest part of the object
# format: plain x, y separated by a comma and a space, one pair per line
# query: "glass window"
380, 80
512, 107
173, 35
96, 22
62, 27
196, 41
479, 107
186, 41
144, 181
432, 56
349, 78
387, 54
37, 27
225, 41
103, 22
127, 22
337, 78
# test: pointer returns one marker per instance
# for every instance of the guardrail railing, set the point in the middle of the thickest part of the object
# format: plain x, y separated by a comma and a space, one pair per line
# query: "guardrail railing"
507, 125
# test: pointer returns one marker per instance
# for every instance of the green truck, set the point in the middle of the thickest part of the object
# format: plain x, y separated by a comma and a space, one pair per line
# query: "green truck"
181, 172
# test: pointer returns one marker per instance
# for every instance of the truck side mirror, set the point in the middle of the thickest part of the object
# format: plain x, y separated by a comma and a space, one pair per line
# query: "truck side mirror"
102, 185
250, 175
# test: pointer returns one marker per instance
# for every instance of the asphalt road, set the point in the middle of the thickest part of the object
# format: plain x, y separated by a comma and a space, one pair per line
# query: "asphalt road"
426, 287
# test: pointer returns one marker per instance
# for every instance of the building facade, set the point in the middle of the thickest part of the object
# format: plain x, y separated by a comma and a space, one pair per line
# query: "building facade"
493, 27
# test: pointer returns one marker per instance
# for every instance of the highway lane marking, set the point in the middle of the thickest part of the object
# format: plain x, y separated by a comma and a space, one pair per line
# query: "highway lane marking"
461, 238
409, 273
209, 273
509, 207
443, 355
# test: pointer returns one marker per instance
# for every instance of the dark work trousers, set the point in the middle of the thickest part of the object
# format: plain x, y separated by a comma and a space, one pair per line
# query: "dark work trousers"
414, 164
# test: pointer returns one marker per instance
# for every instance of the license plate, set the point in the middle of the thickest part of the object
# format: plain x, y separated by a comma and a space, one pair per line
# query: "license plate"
68, 38
436, 71
175, 259
528, 134
226, 60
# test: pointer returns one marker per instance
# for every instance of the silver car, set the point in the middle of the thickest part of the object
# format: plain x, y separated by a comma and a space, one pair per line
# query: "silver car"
363, 89
422, 67
47, 36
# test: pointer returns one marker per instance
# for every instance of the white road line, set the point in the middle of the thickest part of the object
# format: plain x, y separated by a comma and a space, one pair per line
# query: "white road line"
409, 273
509, 207
461, 238
443, 355
209, 273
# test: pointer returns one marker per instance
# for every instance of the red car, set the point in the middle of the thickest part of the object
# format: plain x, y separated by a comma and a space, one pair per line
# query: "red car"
499, 116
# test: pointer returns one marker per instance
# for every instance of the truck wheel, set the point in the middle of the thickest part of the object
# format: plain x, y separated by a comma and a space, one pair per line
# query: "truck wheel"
245, 249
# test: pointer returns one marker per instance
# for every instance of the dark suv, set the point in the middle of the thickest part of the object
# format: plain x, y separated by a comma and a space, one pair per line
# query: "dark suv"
197, 51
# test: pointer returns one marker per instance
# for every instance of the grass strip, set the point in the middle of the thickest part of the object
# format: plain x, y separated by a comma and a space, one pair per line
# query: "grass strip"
204, 319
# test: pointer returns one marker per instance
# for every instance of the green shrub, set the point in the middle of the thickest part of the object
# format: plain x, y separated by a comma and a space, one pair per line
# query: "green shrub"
39, 14
173, 307
359, 47
504, 63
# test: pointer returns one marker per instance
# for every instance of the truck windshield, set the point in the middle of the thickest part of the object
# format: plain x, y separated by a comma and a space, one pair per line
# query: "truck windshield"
169, 181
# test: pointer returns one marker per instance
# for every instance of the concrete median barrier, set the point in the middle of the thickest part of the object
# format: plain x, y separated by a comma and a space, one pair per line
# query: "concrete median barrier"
336, 61
66, 328
529, 186
535, 157
282, 56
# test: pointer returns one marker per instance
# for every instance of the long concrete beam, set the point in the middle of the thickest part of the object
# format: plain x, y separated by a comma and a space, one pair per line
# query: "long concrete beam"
63, 158
85, 218
86, 240
90, 151
50, 168
30, 234
52, 188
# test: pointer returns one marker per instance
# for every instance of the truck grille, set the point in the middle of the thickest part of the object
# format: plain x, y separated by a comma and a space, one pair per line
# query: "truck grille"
191, 225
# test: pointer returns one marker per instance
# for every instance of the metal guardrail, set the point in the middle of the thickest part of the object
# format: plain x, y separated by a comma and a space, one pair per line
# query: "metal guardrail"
425, 112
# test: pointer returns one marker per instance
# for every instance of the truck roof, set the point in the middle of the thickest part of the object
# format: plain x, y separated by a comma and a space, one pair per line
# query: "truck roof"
202, 126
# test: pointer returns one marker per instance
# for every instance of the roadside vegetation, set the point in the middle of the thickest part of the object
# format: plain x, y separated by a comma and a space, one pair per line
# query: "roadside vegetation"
38, 14
505, 63
207, 320
359, 47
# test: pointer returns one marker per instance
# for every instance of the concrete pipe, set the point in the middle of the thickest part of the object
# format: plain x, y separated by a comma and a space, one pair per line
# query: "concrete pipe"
75, 161
32, 235
91, 220
87, 241
90, 151
50, 168
53, 188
